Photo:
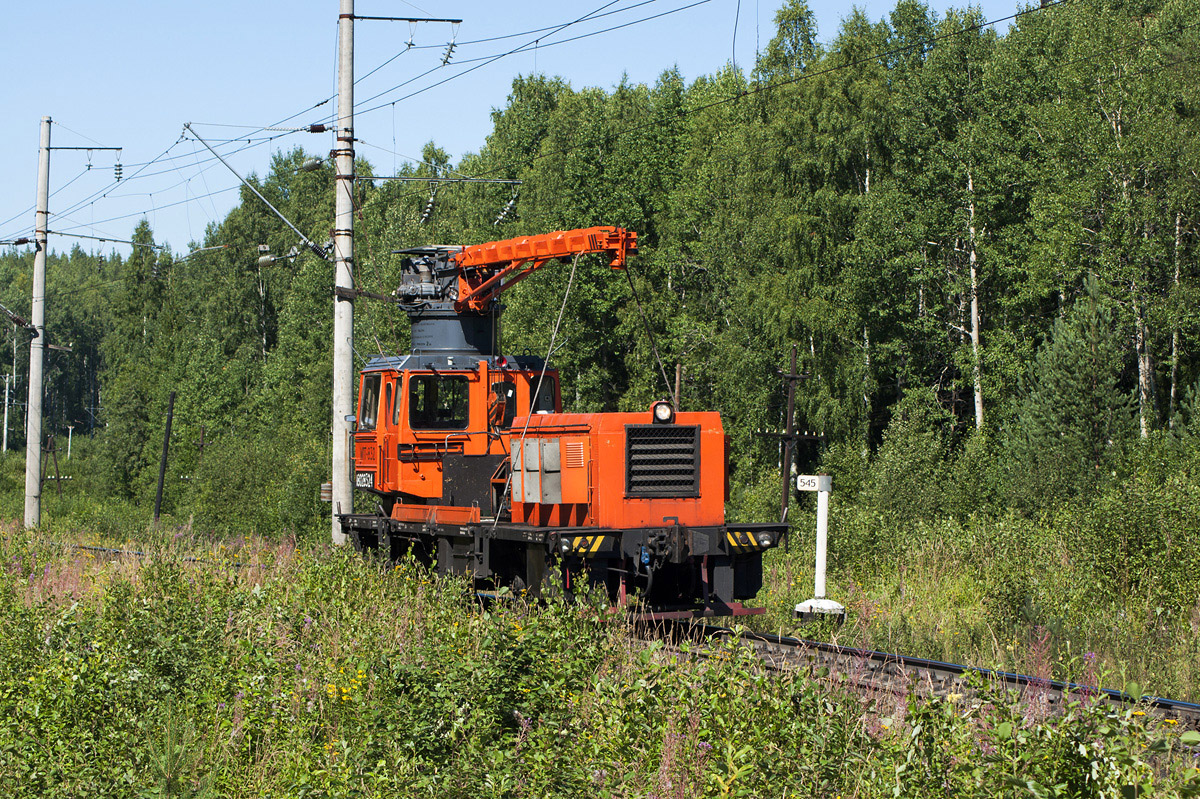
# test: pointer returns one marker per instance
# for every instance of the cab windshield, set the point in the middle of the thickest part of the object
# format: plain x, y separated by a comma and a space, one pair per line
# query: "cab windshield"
438, 402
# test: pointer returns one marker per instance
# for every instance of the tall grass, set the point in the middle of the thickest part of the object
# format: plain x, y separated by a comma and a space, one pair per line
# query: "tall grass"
247, 667
987, 592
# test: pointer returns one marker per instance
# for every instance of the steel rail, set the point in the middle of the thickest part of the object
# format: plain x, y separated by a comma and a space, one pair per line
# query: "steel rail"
886, 671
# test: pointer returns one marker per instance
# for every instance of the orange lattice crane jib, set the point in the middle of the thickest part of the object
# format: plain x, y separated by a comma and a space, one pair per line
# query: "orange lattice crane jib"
488, 270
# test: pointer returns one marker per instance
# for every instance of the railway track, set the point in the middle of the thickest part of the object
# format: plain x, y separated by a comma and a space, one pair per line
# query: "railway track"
868, 670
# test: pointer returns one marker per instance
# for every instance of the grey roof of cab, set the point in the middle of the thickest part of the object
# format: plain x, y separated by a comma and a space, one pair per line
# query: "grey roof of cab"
418, 361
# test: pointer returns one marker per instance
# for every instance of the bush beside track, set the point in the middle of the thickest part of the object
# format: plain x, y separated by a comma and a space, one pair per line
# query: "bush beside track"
314, 673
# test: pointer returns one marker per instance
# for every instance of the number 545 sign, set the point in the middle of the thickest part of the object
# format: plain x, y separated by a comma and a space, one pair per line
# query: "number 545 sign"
814, 482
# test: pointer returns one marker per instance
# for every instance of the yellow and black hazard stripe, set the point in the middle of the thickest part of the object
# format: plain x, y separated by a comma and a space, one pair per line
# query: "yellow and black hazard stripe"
742, 541
589, 546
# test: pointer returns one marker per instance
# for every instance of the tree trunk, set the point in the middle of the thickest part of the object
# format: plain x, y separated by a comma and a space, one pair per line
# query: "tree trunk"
976, 354
866, 394
1145, 364
1175, 327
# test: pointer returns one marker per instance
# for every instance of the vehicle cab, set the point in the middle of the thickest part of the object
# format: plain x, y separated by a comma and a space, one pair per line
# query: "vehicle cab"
431, 431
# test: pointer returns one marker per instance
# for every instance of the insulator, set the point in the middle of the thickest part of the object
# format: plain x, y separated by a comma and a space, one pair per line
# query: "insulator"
266, 260
117, 171
311, 165
448, 54
506, 210
429, 205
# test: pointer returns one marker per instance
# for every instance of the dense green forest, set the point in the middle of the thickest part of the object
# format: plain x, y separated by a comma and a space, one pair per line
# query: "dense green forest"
983, 245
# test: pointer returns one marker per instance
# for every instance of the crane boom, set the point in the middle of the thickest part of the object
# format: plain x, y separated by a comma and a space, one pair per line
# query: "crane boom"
487, 270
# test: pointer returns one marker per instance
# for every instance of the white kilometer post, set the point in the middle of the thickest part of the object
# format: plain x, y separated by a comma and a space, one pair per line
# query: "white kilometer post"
819, 606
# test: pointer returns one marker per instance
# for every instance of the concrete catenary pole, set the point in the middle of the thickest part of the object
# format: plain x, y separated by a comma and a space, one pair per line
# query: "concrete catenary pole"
343, 260
37, 347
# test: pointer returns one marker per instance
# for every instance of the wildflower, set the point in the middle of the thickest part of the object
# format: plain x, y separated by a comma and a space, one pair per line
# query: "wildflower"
1139, 712
1171, 721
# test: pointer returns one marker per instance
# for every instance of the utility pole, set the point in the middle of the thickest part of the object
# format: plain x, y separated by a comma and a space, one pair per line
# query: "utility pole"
37, 346
343, 261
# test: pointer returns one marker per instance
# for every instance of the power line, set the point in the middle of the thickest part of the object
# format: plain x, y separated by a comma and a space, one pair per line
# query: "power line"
77, 133
929, 43
251, 141
490, 60
143, 212
113, 185
486, 60
827, 71
882, 54
537, 44
447, 169
106, 239
103, 193
535, 30
56, 191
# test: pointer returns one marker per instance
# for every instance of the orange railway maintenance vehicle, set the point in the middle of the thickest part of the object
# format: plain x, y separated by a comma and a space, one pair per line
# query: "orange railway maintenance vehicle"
474, 467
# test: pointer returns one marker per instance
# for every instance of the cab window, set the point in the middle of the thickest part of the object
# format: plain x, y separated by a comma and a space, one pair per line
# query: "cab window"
503, 404
544, 402
438, 402
368, 403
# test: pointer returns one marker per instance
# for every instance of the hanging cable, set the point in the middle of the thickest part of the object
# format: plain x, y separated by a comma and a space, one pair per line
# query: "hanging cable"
649, 332
537, 392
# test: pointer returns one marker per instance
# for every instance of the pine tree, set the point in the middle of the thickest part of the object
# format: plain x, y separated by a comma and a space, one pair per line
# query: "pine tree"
1075, 415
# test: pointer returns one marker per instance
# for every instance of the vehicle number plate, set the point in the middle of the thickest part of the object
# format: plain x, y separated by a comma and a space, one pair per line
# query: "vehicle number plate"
364, 479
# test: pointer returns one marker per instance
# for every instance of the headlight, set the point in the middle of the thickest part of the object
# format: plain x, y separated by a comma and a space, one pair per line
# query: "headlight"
765, 539
663, 412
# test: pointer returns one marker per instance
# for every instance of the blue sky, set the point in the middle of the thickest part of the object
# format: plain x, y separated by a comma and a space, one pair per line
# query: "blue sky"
130, 74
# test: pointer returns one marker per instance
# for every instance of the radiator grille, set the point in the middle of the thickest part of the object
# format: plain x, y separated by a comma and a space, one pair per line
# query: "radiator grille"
574, 454
662, 460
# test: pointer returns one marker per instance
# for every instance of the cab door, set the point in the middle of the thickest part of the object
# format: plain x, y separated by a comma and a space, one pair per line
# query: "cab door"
388, 436
366, 446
